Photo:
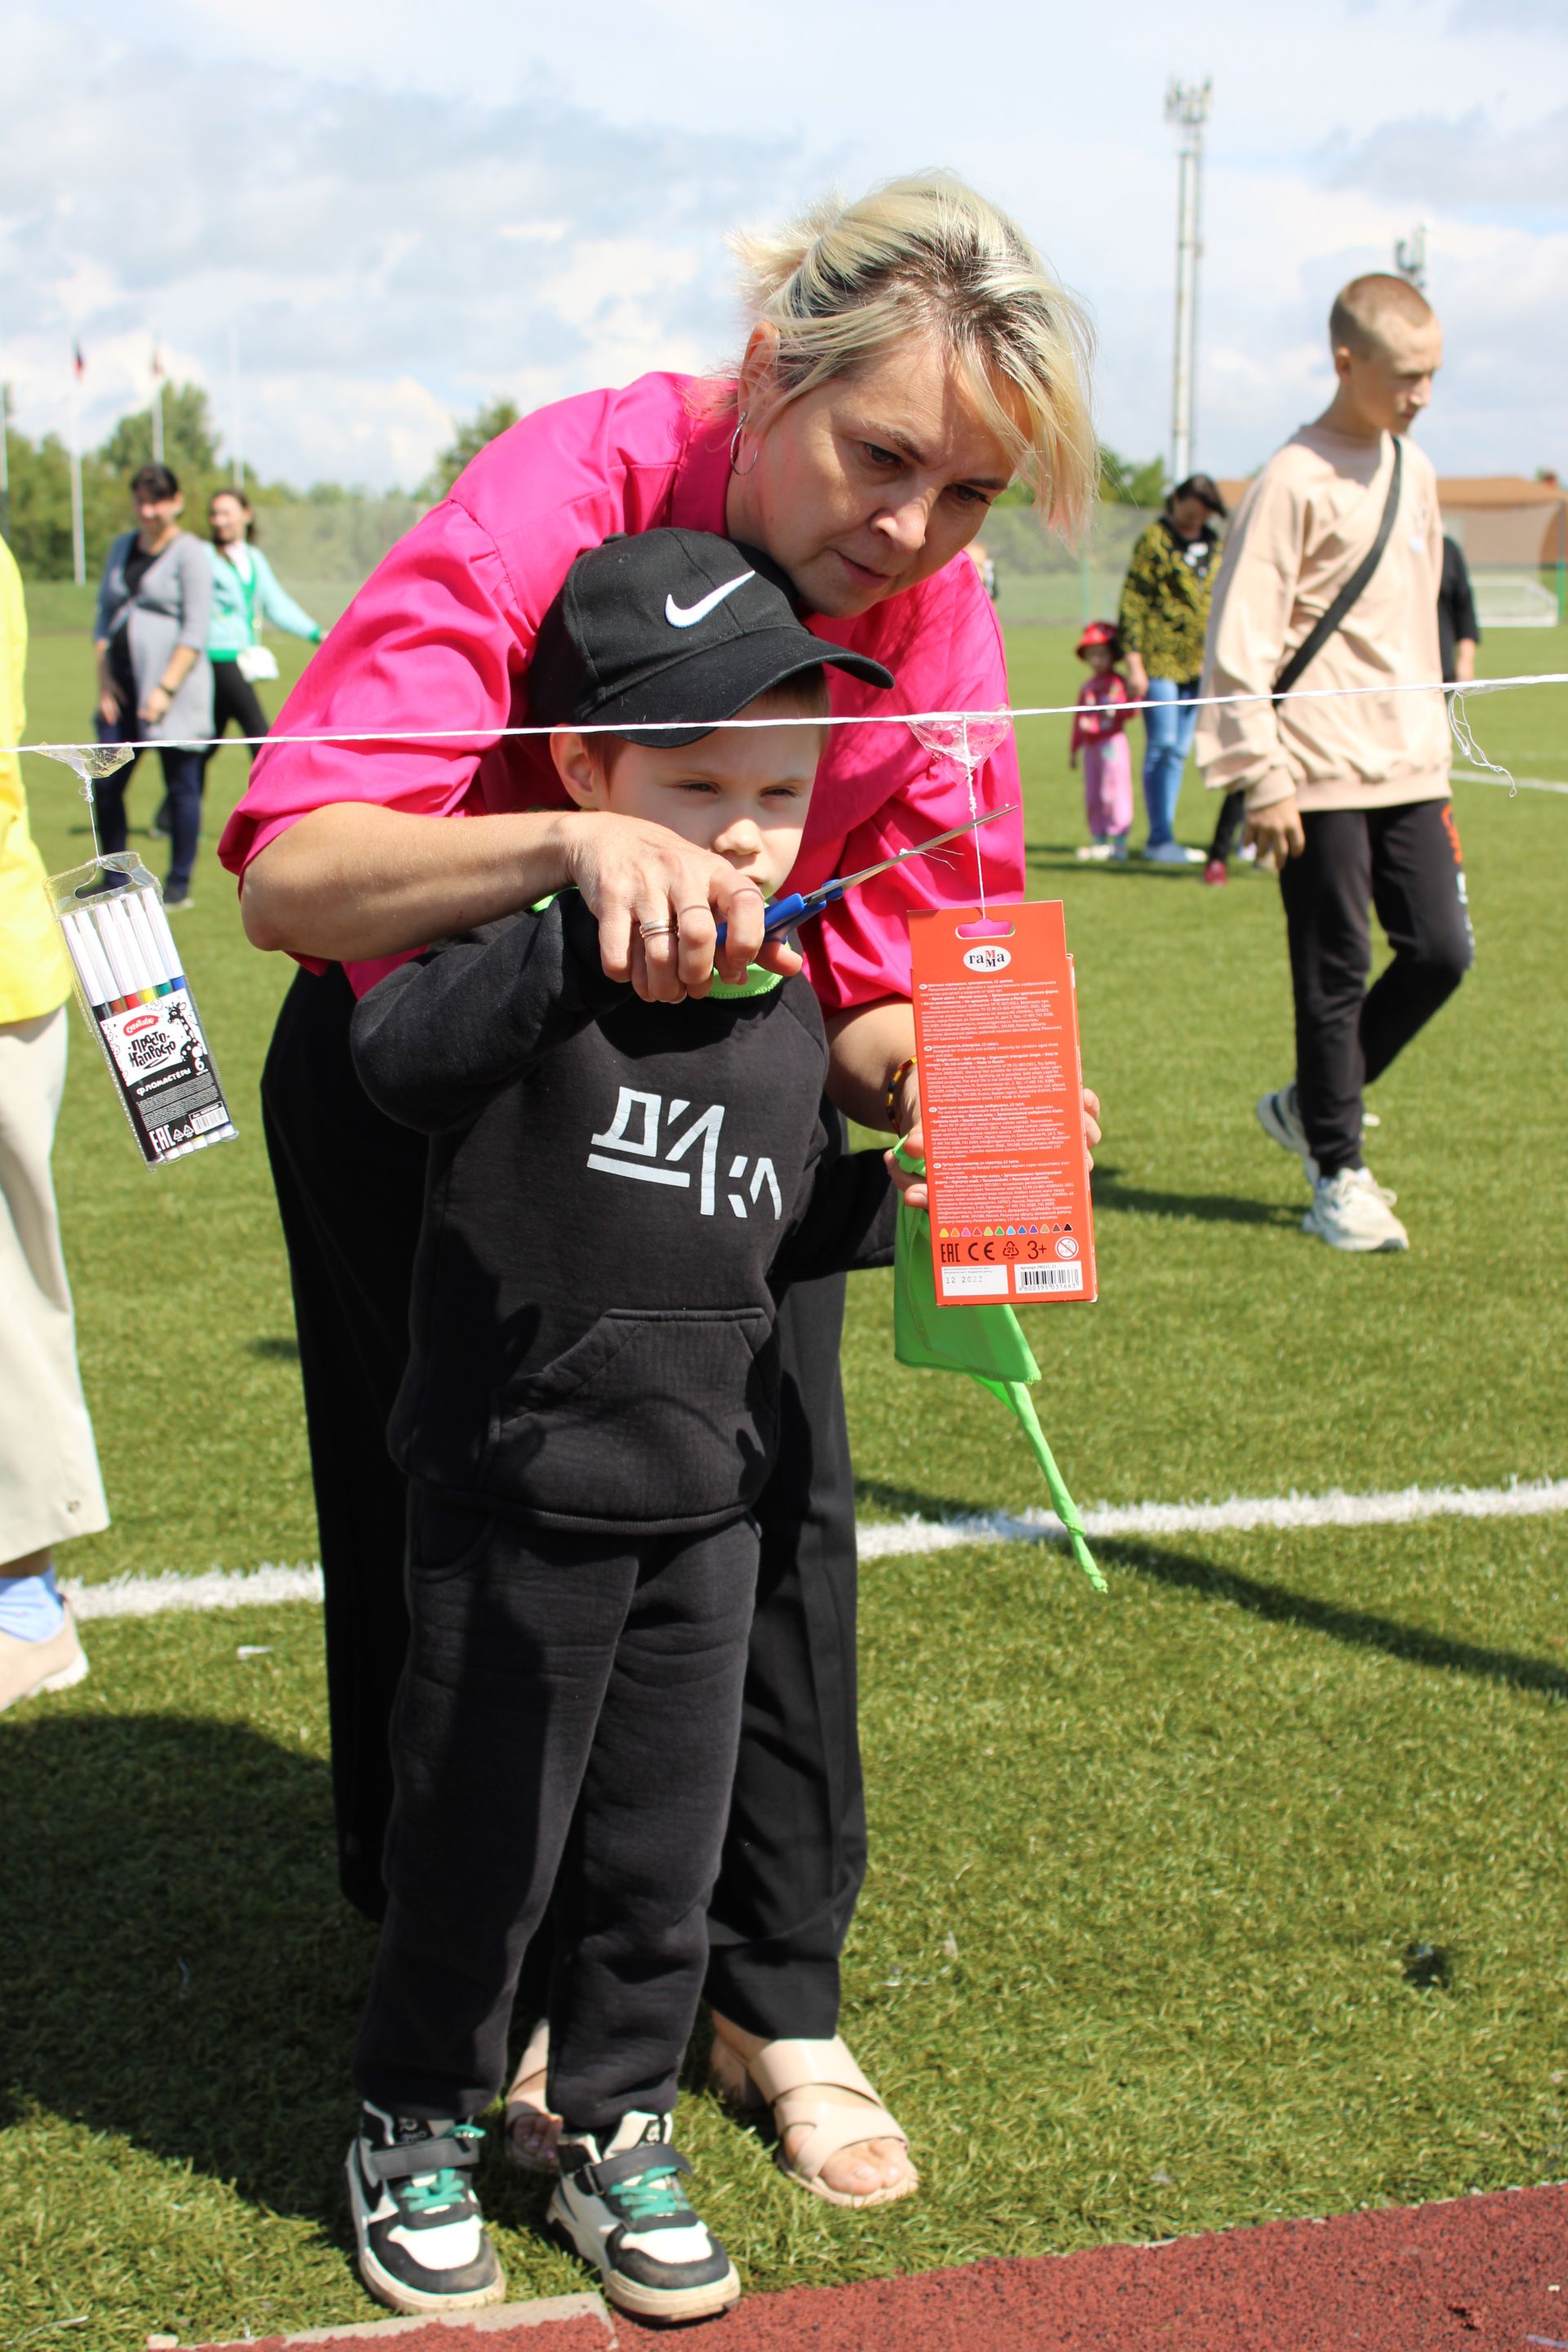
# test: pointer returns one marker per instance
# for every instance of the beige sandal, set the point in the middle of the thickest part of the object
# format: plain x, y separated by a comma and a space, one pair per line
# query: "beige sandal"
816, 2083
525, 2109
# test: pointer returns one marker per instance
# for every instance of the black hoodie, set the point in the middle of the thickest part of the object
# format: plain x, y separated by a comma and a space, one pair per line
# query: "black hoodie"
617, 1193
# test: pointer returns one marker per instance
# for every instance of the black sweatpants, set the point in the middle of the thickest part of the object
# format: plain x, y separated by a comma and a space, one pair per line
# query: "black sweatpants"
349, 1188
234, 697
564, 1735
1407, 863
1227, 824
182, 790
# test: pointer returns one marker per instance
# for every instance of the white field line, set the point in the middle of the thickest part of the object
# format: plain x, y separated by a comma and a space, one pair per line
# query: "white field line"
1334, 1509
217, 1587
1525, 783
151, 1596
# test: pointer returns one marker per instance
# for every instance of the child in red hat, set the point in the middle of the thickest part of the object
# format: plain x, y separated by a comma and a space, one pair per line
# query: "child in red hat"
1100, 730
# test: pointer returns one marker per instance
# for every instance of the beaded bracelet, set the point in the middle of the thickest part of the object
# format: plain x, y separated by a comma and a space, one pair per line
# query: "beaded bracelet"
896, 1081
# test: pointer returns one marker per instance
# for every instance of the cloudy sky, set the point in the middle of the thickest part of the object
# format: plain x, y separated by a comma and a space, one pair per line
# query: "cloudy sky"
396, 210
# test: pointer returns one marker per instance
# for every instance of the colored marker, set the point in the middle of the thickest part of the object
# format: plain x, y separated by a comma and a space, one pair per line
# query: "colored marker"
152, 953
97, 985
96, 978
125, 987
108, 947
173, 968
100, 961
142, 980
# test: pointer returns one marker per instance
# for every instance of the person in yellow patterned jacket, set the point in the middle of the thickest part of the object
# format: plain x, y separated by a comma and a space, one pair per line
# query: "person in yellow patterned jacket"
50, 1483
1163, 617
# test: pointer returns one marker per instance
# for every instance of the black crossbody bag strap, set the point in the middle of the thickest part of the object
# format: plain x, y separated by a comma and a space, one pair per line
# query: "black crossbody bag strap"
1312, 644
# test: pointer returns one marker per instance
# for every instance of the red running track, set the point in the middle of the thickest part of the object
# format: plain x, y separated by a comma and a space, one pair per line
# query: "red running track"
1479, 2274
1476, 2275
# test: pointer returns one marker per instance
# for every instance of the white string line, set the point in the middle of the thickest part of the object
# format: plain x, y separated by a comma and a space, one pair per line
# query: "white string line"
153, 1596
845, 719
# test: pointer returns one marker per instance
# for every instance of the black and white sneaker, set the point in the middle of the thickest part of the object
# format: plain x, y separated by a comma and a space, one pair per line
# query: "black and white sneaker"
624, 2210
1280, 1120
417, 2225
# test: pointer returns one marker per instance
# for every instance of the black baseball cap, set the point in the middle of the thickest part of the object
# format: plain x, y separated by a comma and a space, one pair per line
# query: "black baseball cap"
672, 624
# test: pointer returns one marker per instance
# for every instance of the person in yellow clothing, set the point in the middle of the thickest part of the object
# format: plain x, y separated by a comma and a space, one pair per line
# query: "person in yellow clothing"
50, 1488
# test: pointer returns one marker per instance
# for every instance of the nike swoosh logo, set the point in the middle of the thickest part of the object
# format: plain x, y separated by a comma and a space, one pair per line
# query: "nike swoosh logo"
686, 616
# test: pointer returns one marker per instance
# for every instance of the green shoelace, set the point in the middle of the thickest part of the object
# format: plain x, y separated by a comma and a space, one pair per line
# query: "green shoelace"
653, 2196
432, 2192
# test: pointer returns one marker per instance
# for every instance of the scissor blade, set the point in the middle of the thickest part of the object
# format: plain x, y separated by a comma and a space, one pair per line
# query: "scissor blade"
920, 848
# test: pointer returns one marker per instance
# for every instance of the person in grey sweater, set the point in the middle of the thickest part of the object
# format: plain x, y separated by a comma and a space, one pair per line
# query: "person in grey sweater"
154, 681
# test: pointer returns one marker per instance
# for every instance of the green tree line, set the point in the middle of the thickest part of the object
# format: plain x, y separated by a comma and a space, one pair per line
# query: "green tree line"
40, 483
39, 471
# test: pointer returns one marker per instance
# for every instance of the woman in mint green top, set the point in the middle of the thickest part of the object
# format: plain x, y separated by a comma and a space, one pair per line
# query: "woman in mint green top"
245, 593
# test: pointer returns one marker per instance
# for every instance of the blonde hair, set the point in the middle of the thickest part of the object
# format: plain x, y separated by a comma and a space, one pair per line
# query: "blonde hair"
1363, 308
927, 255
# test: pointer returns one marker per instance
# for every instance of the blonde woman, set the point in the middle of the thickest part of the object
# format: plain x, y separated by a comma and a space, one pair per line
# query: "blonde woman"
908, 356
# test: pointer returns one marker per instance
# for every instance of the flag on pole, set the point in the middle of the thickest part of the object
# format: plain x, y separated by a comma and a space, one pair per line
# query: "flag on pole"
78, 529
157, 362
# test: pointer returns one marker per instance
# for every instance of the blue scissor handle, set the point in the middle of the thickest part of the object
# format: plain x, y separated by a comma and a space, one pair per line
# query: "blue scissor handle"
786, 912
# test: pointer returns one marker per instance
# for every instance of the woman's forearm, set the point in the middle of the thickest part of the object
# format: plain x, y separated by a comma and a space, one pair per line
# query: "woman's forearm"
177, 668
867, 1044
352, 881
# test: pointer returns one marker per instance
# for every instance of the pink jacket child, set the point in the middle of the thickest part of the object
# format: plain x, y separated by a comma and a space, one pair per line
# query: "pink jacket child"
1100, 731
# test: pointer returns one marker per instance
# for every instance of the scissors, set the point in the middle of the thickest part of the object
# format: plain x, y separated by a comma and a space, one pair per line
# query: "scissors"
785, 913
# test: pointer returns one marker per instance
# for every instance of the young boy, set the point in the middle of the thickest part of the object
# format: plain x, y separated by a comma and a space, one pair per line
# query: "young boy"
589, 1412
1348, 799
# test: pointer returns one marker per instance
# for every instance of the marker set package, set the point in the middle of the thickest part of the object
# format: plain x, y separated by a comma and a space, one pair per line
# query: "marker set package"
139, 1007
1002, 1104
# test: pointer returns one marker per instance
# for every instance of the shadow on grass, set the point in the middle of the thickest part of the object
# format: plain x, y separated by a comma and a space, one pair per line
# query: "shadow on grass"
275, 1350
1062, 857
1275, 1604
1361, 1629
180, 1968
1205, 1208
879, 1494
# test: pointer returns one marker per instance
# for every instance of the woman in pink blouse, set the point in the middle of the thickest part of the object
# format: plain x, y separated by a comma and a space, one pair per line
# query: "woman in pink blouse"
908, 356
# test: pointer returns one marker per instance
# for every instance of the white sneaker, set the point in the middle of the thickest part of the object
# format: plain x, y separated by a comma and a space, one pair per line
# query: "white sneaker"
28, 1668
1281, 1122
624, 2210
1353, 1211
1093, 853
420, 2236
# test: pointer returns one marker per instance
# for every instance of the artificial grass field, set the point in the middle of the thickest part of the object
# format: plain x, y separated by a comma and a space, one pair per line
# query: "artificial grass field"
1135, 1955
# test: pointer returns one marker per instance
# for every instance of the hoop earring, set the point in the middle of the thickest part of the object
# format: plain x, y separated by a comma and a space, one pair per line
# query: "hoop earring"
741, 472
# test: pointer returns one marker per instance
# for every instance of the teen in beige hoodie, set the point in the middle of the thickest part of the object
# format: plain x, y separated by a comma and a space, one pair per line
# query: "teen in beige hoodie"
1347, 798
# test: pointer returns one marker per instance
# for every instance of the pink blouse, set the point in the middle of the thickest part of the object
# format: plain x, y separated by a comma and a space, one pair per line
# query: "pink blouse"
441, 634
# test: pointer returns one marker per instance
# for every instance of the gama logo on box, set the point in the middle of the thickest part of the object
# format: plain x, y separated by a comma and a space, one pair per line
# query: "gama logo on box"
140, 1021
987, 959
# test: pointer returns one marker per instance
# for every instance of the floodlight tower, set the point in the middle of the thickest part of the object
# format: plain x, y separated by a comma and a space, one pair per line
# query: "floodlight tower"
1187, 107
1410, 257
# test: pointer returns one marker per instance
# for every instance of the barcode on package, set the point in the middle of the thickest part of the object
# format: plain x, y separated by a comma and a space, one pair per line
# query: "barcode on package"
1048, 1277
167, 1081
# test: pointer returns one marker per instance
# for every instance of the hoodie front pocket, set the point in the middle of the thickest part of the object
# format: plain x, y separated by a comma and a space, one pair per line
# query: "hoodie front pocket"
666, 1415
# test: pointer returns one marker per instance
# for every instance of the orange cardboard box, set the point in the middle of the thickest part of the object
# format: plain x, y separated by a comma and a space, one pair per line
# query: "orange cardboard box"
1002, 1104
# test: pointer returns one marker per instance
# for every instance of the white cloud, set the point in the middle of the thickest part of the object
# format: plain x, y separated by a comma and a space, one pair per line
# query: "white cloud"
1459, 161
407, 215
386, 258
